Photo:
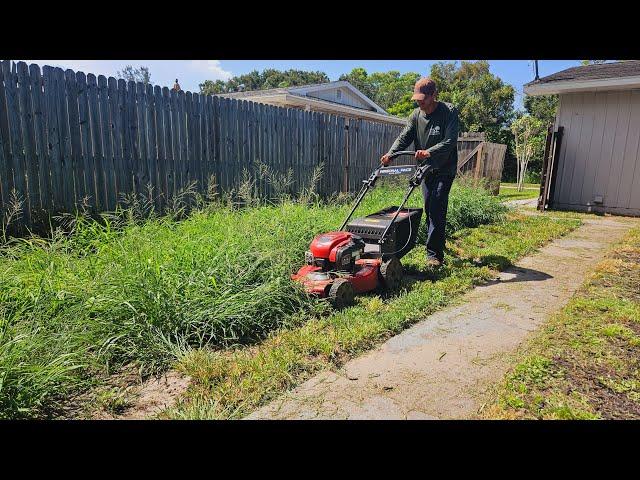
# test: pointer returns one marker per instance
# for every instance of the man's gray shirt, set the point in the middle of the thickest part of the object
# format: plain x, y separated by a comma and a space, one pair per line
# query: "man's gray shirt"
437, 133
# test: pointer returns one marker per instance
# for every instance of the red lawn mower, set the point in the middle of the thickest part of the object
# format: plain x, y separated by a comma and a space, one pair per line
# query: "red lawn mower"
364, 255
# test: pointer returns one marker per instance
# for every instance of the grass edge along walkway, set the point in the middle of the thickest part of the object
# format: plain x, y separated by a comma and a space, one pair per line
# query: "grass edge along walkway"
231, 384
583, 363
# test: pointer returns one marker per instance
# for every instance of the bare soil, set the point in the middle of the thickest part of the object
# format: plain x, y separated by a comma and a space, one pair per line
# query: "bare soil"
147, 400
609, 404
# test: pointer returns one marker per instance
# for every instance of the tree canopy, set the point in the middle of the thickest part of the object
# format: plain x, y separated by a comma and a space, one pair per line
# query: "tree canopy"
269, 78
543, 107
387, 89
131, 74
484, 101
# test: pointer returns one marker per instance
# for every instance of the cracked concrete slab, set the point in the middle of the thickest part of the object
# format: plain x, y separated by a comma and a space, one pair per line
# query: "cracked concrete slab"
442, 366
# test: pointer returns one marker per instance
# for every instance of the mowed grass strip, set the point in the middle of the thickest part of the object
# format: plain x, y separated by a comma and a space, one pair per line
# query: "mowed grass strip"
231, 384
510, 192
585, 363
515, 185
76, 309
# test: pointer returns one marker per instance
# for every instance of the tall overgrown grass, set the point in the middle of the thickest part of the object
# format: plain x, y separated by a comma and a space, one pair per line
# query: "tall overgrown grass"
137, 288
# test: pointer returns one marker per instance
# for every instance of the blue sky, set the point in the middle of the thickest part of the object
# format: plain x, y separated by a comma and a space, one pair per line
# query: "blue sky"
193, 72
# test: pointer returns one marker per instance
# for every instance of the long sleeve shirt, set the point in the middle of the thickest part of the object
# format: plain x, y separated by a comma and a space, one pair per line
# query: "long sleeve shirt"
437, 133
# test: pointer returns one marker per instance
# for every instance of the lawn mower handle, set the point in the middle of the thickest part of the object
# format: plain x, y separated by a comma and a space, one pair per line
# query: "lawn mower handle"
403, 152
419, 174
370, 182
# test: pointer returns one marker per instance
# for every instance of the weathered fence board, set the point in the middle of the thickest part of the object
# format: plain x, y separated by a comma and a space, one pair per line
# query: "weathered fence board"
28, 136
99, 168
15, 131
6, 167
161, 174
85, 142
105, 140
481, 159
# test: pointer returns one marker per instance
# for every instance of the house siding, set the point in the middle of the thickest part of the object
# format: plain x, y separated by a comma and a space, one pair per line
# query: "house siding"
599, 155
347, 97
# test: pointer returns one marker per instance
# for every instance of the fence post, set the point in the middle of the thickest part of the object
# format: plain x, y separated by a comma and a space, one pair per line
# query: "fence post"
479, 163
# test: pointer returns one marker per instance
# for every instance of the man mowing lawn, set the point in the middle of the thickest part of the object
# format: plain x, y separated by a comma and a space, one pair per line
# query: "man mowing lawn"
433, 129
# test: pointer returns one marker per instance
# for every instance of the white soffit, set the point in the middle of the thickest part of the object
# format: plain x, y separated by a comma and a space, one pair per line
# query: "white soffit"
569, 86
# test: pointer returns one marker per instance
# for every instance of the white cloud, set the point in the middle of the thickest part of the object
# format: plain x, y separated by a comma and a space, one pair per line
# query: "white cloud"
163, 72
212, 68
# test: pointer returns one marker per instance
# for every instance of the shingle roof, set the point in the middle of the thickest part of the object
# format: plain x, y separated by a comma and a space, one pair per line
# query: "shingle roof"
627, 68
251, 93
302, 91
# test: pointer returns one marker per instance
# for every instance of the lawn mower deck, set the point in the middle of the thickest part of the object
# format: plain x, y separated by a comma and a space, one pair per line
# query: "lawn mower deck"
364, 255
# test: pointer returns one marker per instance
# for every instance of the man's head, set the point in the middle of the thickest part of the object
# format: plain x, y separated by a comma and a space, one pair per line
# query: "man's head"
424, 94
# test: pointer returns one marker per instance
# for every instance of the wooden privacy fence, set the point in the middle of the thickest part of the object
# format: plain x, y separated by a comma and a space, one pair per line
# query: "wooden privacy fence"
67, 137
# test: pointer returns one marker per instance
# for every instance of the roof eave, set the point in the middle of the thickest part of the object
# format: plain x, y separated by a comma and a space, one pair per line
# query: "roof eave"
571, 86
384, 117
287, 100
303, 90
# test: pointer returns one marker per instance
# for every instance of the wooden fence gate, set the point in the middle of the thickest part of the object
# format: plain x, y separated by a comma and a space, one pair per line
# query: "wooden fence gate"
481, 159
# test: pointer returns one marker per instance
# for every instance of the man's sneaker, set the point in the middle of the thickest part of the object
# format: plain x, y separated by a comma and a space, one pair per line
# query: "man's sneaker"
433, 262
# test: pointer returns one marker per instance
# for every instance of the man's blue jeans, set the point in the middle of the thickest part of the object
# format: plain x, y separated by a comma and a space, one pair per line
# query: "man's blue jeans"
435, 191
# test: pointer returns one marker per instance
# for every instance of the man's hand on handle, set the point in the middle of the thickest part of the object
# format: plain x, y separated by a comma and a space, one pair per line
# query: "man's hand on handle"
422, 154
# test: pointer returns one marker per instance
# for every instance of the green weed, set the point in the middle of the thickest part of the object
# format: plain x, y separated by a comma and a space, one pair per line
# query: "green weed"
135, 287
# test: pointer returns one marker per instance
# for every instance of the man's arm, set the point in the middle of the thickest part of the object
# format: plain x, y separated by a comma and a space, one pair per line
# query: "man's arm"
439, 153
406, 137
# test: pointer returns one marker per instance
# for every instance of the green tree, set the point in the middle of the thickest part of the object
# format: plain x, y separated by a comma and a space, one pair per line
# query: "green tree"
529, 136
403, 107
391, 90
392, 87
359, 78
592, 62
543, 107
484, 101
131, 74
269, 78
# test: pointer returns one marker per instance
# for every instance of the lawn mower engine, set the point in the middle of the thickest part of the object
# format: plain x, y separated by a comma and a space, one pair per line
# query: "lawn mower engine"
335, 267
341, 264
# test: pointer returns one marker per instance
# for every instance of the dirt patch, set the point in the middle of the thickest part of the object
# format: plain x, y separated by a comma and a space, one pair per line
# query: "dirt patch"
137, 402
590, 381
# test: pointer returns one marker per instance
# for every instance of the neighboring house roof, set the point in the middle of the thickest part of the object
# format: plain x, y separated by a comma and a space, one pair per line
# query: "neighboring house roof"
305, 90
303, 96
598, 77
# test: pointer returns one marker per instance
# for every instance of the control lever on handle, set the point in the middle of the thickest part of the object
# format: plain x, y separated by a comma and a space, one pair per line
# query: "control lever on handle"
422, 171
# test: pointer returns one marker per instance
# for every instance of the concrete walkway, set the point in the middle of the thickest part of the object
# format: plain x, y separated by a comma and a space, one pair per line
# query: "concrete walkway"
442, 366
523, 202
